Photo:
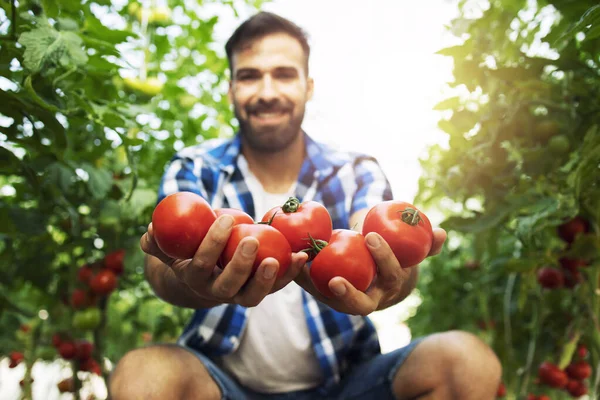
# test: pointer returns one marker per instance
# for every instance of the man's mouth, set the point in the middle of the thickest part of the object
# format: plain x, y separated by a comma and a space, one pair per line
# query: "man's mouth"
269, 117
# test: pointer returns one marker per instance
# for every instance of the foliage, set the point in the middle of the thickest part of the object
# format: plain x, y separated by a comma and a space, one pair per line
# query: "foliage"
523, 156
95, 97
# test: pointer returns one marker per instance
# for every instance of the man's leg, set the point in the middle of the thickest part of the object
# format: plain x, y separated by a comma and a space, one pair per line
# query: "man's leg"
162, 372
449, 365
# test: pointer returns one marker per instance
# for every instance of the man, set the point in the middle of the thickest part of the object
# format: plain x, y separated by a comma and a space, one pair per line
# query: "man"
281, 339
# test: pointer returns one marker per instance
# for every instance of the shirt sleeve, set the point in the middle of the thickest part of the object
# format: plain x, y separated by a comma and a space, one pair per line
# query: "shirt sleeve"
373, 186
183, 174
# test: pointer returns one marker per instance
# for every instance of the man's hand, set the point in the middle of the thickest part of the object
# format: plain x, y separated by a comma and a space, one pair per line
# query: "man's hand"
392, 284
213, 285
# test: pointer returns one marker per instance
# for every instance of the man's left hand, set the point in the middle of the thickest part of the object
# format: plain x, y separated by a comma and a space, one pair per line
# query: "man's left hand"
391, 285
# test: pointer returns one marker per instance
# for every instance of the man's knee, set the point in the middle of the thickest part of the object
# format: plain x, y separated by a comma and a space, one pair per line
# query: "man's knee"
464, 353
161, 372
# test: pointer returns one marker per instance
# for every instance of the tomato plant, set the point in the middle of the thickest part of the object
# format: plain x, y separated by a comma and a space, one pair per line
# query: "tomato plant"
239, 216
103, 282
299, 222
345, 255
180, 222
271, 243
407, 230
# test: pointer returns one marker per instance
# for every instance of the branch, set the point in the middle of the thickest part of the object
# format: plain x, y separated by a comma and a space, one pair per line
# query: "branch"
14, 307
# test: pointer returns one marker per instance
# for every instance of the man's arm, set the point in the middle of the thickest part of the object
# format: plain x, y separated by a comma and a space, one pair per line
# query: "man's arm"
169, 288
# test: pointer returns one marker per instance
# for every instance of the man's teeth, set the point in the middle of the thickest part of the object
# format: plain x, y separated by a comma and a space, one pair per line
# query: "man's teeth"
270, 114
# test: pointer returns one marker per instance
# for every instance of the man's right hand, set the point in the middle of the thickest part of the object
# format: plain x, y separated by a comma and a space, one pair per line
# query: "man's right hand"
213, 285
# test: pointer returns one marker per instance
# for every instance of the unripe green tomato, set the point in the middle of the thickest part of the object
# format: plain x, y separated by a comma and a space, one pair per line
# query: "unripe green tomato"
87, 320
559, 144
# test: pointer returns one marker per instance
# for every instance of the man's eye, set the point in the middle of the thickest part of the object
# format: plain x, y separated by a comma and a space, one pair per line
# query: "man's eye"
246, 77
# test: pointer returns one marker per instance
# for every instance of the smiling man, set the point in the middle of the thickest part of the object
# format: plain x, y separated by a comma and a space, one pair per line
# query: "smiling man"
268, 338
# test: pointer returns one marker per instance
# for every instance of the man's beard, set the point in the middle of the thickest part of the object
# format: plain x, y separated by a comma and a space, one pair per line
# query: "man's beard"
270, 139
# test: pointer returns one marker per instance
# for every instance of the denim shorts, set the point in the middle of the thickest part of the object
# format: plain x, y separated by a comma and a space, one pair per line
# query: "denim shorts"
369, 380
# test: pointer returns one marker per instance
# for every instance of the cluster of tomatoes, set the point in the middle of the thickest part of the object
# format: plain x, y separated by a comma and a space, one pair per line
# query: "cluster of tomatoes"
181, 221
569, 274
80, 351
572, 378
95, 281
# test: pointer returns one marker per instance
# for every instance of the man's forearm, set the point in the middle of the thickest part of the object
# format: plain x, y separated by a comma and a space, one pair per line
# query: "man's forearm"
165, 284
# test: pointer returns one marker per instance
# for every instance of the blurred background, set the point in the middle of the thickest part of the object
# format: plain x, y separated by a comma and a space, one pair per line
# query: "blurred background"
484, 114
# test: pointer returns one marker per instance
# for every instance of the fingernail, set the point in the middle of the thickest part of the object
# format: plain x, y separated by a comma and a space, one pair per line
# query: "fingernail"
225, 221
269, 271
249, 247
373, 240
339, 289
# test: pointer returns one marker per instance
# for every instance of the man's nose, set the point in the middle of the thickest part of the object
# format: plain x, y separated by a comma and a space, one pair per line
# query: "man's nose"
267, 89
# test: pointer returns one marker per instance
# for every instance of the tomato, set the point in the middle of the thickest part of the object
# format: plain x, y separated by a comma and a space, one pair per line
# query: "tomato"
150, 86
87, 320
66, 385
572, 264
239, 217
501, 392
271, 243
56, 340
67, 350
345, 255
299, 222
559, 145
15, 357
576, 388
579, 370
570, 229
582, 351
25, 328
407, 230
114, 261
84, 350
84, 274
472, 264
90, 365
552, 376
103, 282
531, 396
550, 278
543, 397
80, 299
180, 222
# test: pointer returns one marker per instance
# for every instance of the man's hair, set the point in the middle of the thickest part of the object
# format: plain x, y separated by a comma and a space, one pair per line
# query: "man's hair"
260, 25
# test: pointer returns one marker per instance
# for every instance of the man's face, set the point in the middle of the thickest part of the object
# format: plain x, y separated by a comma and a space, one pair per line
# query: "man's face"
269, 90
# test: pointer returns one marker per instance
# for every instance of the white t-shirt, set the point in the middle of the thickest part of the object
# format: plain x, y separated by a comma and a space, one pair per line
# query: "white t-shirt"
275, 353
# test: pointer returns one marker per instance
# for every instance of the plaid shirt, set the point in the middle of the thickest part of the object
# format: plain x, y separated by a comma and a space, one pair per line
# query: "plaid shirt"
344, 183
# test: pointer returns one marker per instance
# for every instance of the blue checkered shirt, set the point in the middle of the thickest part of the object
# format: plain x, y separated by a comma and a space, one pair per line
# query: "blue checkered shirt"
343, 182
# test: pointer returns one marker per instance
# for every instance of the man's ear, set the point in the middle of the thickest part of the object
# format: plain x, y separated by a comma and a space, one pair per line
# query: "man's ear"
310, 86
230, 92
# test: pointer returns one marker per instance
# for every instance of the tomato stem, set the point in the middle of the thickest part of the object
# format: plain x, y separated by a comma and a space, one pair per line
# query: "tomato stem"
316, 245
411, 216
270, 221
291, 205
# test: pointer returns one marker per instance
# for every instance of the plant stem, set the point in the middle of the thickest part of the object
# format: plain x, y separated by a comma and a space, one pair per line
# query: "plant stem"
507, 328
99, 338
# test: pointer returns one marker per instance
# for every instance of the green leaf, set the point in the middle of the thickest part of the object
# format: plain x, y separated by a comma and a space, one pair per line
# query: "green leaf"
50, 8
28, 221
99, 182
448, 104
46, 47
568, 350
492, 218
9, 162
60, 175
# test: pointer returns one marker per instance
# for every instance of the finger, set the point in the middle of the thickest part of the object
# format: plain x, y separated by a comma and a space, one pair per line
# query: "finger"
298, 261
358, 303
259, 285
150, 247
236, 273
200, 269
389, 270
439, 238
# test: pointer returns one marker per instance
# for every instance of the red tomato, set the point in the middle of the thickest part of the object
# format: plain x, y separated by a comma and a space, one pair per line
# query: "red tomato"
114, 261
84, 274
66, 385
579, 370
576, 388
84, 350
56, 340
271, 243
543, 397
570, 229
299, 222
67, 350
80, 299
582, 351
572, 279
345, 255
532, 397
406, 229
90, 365
552, 376
501, 390
550, 278
16, 357
103, 282
239, 217
572, 264
180, 222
